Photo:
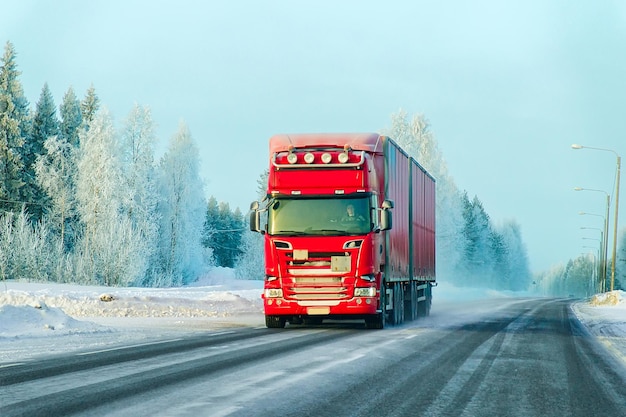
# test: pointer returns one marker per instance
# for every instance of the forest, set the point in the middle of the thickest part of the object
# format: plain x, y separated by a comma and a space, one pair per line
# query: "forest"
84, 201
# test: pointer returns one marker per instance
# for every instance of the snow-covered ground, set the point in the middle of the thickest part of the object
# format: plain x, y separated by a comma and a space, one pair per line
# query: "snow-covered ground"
46, 318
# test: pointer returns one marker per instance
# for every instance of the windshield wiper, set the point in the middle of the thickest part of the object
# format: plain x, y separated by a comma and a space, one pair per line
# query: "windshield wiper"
288, 233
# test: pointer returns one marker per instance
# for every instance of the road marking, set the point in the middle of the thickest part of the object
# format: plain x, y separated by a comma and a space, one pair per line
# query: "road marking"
128, 347
9, 365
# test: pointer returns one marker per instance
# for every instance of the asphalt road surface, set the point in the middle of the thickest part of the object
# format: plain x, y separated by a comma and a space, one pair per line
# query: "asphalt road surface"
529, 357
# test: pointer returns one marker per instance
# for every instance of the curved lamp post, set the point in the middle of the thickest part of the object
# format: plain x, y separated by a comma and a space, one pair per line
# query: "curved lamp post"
617, 175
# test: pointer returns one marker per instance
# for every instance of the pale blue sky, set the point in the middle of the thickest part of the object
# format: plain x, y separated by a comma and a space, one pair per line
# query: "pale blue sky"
507, 86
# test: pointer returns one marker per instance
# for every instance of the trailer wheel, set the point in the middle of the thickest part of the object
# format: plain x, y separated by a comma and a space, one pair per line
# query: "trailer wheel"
275, 322
423, 308
410, 302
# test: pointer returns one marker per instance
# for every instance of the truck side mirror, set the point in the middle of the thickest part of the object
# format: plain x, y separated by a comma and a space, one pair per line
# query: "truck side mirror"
386, 219
255, 217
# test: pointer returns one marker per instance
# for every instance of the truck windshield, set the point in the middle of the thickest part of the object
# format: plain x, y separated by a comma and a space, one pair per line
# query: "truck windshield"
320, 216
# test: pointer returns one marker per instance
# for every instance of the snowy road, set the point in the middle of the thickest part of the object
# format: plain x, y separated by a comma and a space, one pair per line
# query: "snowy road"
526, 357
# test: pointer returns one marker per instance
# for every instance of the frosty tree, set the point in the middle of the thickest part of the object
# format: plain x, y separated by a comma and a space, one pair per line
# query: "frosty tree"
71, 118
89, 106
56, 175
181, 205
14, 128
110, 247
139, 192
45, 125
415, 137
251, 263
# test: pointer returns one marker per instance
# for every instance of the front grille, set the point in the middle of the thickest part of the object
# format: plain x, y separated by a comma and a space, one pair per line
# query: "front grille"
316, 288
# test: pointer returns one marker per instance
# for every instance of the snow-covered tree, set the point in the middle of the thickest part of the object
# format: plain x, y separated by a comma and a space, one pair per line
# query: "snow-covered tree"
250, 264
110, 247
14, 128
477, 258
516, 256
89, 106
56, 175
416, 138
45, 125
182, 208
27, 249
139, 193
223, 229
71, 118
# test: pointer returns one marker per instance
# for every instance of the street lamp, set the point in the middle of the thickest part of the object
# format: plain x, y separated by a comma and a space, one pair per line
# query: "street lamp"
617, 175
603, 248
604, 254
601, 263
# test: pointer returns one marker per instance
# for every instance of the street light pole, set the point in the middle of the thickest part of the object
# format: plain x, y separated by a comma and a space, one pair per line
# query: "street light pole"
601, 273
605, 252
603, 246
617, 174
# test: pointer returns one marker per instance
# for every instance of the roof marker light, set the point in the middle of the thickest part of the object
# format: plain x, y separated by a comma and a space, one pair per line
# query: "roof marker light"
309, 157
292, 158
326, 158
343, 157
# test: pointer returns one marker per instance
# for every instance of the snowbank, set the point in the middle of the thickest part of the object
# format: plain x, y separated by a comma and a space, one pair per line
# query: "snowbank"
38, 318
604, 315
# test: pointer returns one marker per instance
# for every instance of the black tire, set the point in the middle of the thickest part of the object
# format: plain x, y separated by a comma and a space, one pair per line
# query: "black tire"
397, 314
375, 322
410, 303
423, 307
275, 322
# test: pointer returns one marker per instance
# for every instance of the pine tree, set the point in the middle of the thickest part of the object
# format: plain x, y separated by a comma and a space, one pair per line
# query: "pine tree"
45, 125
182, 210
227, 238
211, 225
251, 262
517, 256
89, 106
71, 118
14, 128
477, 256
499, 258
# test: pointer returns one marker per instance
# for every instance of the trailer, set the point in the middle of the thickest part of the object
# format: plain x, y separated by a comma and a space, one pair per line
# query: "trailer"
349, 231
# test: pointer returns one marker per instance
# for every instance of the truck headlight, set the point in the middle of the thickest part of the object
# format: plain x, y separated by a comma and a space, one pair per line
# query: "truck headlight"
273, 293
365, 292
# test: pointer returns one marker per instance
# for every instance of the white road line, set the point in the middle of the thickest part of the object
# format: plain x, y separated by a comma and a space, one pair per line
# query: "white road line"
128, 347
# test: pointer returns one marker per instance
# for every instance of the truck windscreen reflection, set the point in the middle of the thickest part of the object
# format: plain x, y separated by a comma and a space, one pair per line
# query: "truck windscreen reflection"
319, 216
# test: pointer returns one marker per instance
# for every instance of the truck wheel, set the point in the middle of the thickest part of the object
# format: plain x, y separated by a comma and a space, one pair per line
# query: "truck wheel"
397, 313
410, 302
423, 308
275, 322
375, 322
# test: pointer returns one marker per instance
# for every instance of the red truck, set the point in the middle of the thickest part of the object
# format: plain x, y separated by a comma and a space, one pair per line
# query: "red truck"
331, 248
